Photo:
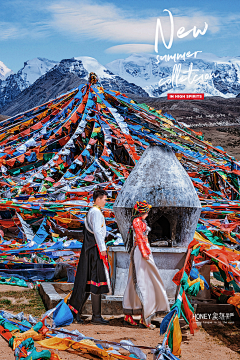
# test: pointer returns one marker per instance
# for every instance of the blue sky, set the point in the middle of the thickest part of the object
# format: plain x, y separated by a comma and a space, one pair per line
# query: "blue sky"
108, 30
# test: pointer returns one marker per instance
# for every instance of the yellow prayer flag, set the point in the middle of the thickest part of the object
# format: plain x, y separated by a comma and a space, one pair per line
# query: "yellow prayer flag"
177, 337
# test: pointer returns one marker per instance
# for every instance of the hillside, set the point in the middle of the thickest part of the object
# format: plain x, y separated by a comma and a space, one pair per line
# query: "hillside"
216, 117
3, 117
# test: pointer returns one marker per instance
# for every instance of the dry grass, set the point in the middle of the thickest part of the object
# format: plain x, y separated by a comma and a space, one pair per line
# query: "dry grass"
29, 302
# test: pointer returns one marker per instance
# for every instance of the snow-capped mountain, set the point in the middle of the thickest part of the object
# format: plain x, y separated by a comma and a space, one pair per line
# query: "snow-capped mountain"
11, 86
64, 76
92, 65
141, 75
4, 71
34, 69
83, 65
208, 74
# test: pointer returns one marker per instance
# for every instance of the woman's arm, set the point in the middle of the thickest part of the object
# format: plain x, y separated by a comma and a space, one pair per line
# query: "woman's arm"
141, 239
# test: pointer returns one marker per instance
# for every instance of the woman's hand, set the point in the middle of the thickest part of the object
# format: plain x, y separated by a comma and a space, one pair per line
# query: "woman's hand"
103, 253
146, 257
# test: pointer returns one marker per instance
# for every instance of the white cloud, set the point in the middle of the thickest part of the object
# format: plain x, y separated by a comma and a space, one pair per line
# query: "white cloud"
130, 48
10, 31
105, 21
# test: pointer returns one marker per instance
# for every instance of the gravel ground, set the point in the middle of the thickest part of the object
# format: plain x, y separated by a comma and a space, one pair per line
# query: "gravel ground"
204, 345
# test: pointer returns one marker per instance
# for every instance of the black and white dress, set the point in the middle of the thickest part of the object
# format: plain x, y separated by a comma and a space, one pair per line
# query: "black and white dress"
92, 273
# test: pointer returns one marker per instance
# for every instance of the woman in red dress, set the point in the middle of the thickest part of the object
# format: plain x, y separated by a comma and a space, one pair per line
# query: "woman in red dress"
145, 294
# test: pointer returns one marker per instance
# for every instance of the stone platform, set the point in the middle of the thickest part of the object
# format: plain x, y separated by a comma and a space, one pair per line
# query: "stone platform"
53, 293
169, 260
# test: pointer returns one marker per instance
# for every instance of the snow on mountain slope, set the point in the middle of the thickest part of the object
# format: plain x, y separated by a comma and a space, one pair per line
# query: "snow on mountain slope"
61, 78
107, 79
92, 65
15, 83
215, 76
135, 68
141, 75
4, 71
34, 69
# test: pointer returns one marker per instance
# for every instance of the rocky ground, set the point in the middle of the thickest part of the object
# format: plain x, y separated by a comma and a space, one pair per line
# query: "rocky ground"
206, 344
212, 110
227, 137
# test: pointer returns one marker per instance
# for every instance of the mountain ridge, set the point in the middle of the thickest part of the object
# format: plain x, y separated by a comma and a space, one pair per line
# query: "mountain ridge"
137, 75
67, 74
14, 84
221, 76
4, 71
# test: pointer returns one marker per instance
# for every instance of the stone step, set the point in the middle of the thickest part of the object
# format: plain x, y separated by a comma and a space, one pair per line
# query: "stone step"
53, 293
